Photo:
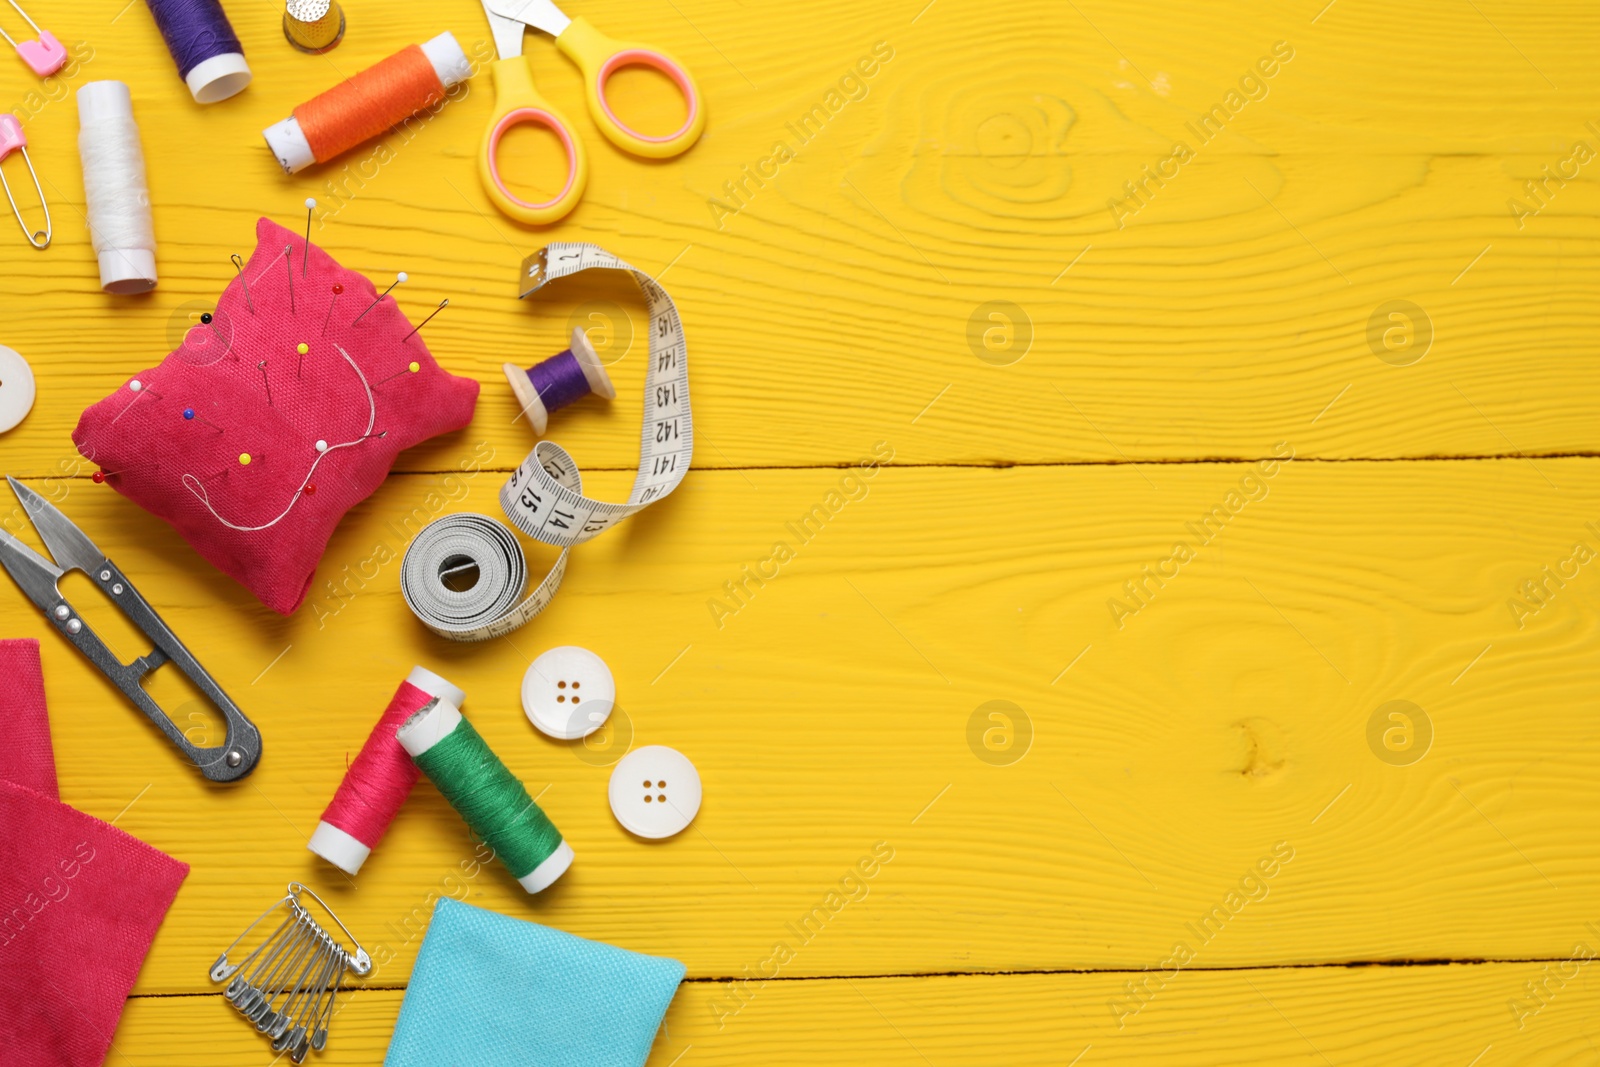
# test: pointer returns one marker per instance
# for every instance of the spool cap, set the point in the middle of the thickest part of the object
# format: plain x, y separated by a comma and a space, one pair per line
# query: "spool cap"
123, 271
432, 724
594, 372
449, 61
218, 78
340, 848
288, 142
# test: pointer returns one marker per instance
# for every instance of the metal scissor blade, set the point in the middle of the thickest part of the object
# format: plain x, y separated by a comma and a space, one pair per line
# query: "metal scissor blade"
507, 33
36, 575
68, 544
540, 14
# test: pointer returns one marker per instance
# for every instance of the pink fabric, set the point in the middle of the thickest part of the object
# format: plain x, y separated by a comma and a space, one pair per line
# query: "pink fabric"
172, 466
80, 901
26, 757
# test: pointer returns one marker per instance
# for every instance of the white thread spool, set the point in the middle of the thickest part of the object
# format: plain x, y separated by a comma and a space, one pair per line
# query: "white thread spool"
114, 185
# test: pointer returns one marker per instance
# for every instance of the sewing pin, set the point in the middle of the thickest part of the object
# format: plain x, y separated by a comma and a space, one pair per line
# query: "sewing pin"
337, 289
397, 280
238, 266
288, 262
302, 348
442, 305
138, 389
262, 367
409, 368
189, 415
311, 205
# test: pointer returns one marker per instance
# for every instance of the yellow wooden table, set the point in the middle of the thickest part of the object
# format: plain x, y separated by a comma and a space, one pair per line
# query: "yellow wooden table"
1231, 367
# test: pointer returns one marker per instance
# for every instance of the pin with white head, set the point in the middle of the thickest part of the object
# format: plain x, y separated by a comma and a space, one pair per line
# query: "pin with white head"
565, 377
398, 278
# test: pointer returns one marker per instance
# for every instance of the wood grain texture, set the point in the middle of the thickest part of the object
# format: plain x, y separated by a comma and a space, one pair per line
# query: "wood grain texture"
1179, 724
833, 710
1414, 1015
975, 166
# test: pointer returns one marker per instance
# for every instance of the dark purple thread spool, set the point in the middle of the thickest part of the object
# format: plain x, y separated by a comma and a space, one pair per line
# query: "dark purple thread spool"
552, 384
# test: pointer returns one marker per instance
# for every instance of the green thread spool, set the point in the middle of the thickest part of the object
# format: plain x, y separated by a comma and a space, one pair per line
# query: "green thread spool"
457, 759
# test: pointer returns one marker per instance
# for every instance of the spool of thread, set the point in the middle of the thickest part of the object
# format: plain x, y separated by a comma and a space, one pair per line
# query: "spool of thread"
556, 382
369, 103
114, 185
313, 26
379, 779
208, 53
493, 801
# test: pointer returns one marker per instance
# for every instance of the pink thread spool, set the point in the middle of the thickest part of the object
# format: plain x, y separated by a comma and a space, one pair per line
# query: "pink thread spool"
379, 779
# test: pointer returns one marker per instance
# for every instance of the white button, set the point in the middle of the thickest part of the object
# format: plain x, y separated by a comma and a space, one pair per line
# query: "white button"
655, 791
568, 692
16, 388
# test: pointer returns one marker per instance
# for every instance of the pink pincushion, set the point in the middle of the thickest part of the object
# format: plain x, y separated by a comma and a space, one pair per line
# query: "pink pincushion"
267, 523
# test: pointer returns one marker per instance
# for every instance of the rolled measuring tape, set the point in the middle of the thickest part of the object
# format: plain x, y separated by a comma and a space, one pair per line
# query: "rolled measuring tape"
544, 496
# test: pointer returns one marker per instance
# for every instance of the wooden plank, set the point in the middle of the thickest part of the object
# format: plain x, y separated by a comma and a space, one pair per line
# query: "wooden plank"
1234, 306
1421, 1015
833, 710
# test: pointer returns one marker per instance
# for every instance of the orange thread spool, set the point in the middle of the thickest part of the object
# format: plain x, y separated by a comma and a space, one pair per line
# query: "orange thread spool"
369, 103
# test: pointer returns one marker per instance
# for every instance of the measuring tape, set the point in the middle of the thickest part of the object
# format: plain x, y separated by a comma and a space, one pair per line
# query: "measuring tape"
544, 496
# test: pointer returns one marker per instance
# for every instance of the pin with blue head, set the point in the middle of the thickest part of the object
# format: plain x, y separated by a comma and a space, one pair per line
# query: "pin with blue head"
564, 378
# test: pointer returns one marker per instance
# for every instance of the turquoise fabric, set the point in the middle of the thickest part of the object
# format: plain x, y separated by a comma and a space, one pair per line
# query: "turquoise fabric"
493, 991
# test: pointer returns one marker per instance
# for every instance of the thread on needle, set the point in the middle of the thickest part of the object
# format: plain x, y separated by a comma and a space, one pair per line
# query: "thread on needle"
442, 305
262, 367
311, 205
238, 266
288, 262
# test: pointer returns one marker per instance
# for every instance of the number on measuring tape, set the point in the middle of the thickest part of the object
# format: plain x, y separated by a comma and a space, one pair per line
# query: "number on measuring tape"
544, 495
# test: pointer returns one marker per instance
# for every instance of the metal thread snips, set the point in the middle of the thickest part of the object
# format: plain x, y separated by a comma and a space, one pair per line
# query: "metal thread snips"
71, 550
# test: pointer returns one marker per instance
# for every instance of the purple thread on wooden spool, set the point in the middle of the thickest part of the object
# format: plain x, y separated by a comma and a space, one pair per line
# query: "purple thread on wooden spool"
565, 377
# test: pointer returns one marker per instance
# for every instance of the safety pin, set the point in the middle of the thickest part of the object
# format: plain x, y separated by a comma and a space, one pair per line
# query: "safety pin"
361, 963
44, 56
223, 969
12, 139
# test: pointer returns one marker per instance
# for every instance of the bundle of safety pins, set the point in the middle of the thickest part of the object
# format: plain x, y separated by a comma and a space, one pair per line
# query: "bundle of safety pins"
286, 986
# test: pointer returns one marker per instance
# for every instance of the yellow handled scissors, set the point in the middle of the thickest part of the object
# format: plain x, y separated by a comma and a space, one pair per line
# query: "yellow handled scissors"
598, 57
